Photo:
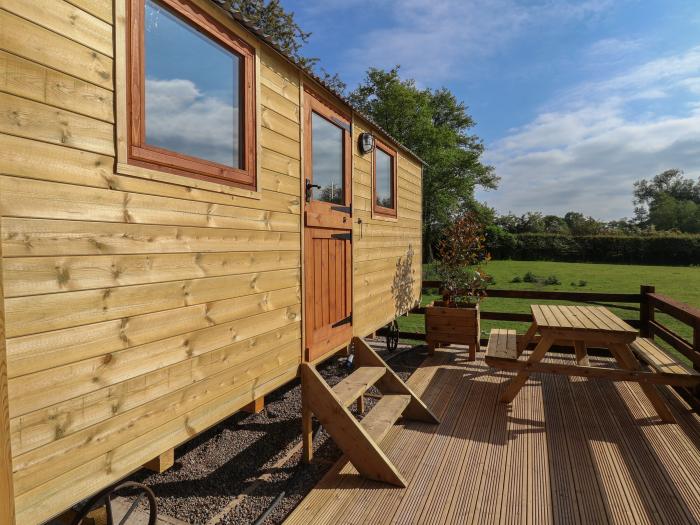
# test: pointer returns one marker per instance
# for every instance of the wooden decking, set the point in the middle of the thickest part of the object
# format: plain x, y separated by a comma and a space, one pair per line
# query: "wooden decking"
567, 450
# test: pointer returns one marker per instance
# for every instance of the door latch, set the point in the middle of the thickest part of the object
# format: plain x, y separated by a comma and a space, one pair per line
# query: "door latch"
310, 188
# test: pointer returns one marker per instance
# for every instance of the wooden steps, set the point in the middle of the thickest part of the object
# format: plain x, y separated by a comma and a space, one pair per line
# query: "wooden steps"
357, 383
359, 440
384, 414
502, 345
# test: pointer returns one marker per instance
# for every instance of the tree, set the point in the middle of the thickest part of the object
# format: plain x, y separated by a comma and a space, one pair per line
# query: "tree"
668, 213
669, 201
461, 251
532, 222
580, 225
333, 81
554, 224
436, 126
279, 25
509, 222
623, 226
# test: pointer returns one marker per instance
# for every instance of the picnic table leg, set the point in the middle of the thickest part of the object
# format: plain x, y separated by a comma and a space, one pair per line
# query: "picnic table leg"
581, 353
527, 338
626, 359
515, 384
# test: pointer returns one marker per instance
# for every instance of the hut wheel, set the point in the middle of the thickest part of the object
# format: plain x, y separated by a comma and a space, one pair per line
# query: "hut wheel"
138, 491
392, 336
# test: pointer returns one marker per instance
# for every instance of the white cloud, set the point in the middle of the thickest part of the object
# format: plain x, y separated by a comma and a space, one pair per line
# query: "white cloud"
692, 84
614, 47
180, 118
585, 152
435, 40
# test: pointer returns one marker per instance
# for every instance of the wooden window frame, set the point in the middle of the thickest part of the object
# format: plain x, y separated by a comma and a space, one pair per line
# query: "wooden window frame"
142, 154
315, 103
376, 208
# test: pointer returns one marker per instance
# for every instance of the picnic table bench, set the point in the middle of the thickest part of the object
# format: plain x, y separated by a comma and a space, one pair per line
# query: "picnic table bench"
584, 326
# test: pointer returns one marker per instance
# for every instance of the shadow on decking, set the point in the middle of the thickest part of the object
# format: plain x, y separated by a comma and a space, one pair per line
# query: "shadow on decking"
566, 450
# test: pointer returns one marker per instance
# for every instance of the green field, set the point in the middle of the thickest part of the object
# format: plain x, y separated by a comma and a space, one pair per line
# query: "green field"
681, 283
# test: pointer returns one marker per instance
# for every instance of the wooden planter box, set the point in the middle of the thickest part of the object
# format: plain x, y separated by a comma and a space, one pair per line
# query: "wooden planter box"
446, 325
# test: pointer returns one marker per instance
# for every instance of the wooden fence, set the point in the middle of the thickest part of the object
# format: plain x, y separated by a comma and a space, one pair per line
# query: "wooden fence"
647, 300
648, 303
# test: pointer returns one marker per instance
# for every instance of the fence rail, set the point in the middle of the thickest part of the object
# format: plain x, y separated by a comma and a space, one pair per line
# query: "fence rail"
582, 297
648, 301
686, 314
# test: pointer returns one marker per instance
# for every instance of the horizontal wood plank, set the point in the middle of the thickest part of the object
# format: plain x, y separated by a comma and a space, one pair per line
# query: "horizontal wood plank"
40, 465
37, 121
42, 351
48, 200
66, 418
65, 19
42, 313
27, 79
45, 275
38, 237
41, 45
43, 389
102, 9
70, 487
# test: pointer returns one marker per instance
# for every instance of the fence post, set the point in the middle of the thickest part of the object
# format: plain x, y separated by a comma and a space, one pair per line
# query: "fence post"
646, 311
696, 349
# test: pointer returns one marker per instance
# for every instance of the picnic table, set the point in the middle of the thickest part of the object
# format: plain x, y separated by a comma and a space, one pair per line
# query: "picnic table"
583, 327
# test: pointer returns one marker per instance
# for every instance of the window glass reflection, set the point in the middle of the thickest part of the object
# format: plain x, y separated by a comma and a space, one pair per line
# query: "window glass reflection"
384, 189
327, 155
192, 90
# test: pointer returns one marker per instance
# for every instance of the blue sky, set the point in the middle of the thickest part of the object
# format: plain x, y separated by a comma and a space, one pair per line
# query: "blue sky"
574, 99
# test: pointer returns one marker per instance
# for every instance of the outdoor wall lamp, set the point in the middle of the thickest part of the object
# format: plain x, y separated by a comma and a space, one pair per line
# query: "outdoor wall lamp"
366, 143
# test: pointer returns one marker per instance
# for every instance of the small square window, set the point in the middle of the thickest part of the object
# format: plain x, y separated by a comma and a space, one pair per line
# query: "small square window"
192, 105
384, 180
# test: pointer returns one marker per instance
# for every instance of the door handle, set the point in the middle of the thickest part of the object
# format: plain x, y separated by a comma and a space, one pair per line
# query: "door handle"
309, 189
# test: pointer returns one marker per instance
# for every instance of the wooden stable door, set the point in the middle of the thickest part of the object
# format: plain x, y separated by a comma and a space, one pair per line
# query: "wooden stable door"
327, 229
328, 291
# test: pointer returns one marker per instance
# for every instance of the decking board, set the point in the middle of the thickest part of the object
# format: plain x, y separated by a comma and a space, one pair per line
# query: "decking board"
567, 450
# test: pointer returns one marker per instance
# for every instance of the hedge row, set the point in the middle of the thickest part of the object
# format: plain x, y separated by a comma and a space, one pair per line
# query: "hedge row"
670, 249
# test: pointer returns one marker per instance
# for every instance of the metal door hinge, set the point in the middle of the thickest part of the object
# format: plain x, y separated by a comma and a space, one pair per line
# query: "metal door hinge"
343, 209
347, 320
342, 236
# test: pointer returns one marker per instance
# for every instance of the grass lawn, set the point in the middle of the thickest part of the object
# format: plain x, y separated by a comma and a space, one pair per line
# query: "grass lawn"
681, 283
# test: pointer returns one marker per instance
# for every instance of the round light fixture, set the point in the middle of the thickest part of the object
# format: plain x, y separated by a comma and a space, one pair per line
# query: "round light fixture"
366, 143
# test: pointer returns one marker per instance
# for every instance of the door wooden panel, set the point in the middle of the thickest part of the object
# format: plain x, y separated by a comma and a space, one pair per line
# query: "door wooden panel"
328, 260
327, 236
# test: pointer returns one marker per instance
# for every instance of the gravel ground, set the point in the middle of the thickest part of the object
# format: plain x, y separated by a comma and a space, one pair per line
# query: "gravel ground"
256, 454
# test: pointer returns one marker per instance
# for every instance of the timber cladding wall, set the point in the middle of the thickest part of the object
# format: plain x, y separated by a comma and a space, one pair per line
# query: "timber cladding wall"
139, 312
387, 251
143, 307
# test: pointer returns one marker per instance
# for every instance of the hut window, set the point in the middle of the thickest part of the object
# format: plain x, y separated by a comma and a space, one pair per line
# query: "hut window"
328, 159
384, 180
191, 102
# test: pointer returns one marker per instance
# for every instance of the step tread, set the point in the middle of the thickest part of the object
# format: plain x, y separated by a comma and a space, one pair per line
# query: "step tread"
357, 383
384, 414
502, 344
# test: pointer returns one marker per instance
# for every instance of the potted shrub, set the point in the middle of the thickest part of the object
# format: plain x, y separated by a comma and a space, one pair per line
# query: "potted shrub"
455, 319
